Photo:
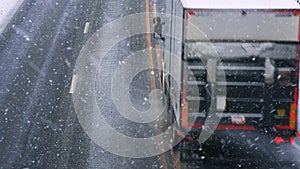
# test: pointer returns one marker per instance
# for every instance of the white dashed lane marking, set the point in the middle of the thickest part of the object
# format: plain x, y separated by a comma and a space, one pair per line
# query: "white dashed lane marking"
73, 84
86, 28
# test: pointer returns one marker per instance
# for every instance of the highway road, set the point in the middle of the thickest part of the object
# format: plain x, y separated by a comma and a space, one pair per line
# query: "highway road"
39, 127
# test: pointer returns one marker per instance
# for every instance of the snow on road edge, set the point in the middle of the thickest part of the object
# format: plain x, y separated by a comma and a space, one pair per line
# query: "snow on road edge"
8, 8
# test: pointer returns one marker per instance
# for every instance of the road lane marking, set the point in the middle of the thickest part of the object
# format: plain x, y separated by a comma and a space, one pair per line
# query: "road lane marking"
149, 43
86, 28
152, 75
73, 84
34, 66
154, 9
175, 159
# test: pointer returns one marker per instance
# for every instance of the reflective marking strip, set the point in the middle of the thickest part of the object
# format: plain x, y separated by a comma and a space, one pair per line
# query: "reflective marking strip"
293, 108
292, 124
86, 28
184, 115
293, 116
73, 84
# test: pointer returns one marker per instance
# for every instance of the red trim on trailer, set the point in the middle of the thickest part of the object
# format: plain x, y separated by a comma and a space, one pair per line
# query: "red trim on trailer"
186, 24
191, 12
292, 140
297, 134
294, 12
195, 125
178, 132
282, 127
183, 137
278, 140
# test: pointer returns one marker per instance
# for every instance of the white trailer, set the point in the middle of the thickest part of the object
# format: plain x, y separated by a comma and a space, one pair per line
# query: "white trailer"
253, 44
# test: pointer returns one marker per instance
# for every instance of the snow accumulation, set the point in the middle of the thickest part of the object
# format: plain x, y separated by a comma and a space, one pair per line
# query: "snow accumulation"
7, 10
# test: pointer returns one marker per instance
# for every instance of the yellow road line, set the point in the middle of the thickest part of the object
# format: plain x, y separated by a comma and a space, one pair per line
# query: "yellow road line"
154, 9
152, 74
175, 159
149, 43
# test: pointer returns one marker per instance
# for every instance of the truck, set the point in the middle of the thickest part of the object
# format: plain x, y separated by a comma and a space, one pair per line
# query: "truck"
232, 65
